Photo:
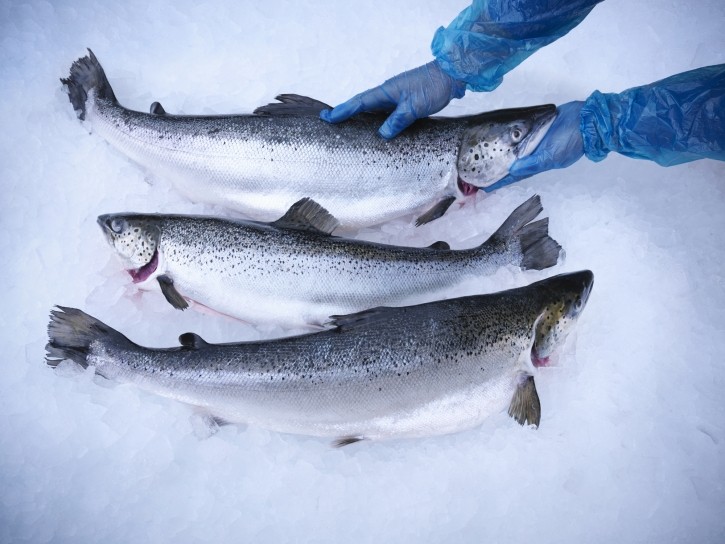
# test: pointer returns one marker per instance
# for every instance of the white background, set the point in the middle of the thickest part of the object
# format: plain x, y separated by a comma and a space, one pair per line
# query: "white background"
631, 445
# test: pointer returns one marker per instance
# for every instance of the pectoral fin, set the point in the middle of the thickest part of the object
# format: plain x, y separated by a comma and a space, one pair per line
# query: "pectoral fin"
436, 211
171, 294
525, 406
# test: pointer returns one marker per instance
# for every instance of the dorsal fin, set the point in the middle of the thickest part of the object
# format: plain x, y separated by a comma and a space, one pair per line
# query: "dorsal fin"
439, 245
293, 104
157, 109
192, 340
344, 323
306, 214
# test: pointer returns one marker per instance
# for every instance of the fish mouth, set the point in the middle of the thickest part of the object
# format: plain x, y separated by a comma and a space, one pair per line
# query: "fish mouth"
142, 274
466, 188
538, 361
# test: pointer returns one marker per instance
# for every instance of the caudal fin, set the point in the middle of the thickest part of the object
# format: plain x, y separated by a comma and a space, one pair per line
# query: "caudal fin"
71, 333
86, 74
538, 249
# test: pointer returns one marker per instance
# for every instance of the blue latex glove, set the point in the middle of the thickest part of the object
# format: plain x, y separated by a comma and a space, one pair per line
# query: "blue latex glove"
560, 147
413, 94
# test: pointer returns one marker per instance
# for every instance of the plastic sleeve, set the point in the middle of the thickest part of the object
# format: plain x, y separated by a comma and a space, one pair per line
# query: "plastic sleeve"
491, 37
675, 120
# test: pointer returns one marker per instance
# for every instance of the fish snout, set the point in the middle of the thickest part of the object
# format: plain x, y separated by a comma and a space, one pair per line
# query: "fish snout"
542, 115
587, 284
111, 224
580, 283
540, 119
103, 221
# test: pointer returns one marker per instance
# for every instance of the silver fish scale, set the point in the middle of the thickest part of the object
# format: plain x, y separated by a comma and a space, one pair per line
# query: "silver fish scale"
368, 379
244, 269
261, 165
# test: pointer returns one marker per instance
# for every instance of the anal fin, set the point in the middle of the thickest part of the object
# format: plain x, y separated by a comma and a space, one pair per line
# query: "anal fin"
205, 424
170, 293
436, 211
346, 441
525, 407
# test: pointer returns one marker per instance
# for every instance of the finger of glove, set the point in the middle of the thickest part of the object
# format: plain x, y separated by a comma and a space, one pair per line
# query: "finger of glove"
371, 100
397, 122
531, 165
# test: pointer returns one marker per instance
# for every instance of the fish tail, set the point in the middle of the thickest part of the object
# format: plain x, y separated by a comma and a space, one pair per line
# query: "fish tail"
86, 74
71, 333
538, 250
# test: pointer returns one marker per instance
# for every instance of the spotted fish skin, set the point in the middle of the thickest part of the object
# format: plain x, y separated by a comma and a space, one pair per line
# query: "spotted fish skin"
267, 273
422, 370
259, 165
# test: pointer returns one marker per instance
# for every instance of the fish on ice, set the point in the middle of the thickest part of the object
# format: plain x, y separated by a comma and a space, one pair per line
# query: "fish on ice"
413, 371
294, 272
260, 164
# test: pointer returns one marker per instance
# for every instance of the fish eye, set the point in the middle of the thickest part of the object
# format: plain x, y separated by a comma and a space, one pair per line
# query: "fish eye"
117, 225
516, 134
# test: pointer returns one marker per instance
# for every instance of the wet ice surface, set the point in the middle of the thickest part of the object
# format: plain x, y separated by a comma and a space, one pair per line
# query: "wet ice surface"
631, 444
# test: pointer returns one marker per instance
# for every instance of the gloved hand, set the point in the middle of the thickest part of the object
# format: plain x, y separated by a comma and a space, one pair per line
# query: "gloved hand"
413, 94
561, 146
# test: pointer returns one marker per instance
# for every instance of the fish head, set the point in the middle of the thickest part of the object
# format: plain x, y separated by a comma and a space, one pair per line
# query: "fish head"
494, 140
566, 296
136, 239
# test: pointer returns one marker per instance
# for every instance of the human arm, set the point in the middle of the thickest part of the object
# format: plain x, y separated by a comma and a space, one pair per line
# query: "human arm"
671, 121
485, 41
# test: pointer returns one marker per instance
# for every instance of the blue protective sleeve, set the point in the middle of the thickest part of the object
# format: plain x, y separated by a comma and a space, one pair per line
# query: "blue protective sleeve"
675, 120
491, 37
